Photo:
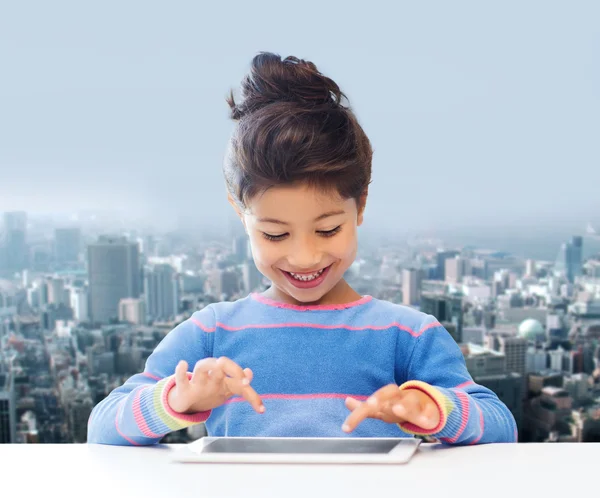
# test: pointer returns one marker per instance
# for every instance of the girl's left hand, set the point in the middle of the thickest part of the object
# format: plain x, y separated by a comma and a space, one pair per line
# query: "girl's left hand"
394, 406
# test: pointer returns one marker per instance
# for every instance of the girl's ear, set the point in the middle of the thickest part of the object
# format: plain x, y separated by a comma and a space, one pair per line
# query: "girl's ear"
361, 205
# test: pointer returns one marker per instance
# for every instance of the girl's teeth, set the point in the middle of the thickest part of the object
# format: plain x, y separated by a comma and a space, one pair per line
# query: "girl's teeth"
306, 278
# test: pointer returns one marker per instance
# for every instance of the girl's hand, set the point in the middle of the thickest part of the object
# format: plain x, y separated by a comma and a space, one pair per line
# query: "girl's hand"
213, 382
394, 406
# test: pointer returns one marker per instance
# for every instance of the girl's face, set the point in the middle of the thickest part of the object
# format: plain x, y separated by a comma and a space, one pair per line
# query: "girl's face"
303, 240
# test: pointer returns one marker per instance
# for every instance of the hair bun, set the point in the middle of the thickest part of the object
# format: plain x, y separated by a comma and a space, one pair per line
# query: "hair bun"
272, 79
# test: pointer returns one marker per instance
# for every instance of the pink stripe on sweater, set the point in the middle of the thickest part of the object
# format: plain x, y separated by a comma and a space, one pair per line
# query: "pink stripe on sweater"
317, 307
119, 410
464, 415
202, 326
302, 397
324, 327
465, 384
481, 424
139, 417
151, 376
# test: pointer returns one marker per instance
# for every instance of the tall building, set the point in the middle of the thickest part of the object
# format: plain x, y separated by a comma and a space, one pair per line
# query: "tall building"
222, 283
114, 274
447, 309
67, 246
16, 252
570, 258
441, 258
132, 310
455, 270
251, 277
161, 288
530, 270
56, 291
411, 286
241, 248
8, 415
512, 346
79, 303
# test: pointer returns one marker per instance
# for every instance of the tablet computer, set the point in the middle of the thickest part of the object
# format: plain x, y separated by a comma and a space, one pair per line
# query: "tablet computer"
298, 450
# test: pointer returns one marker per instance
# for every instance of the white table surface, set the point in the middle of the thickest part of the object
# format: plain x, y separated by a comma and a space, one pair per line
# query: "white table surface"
507, 470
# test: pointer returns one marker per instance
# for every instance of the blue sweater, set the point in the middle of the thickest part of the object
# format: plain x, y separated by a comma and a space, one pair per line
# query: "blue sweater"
306, 361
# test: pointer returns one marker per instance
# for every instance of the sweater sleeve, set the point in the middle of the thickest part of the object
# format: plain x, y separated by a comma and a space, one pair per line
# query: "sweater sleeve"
469, 413
137, 413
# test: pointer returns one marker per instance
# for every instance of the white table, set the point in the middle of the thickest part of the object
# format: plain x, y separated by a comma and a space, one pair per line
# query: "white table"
507, 470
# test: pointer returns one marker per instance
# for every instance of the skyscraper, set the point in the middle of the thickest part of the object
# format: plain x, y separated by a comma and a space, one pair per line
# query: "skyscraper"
161, 287
447, 309
8, 415
570, 258
411, 286
16, 254
67, 246
114, 274
442, 256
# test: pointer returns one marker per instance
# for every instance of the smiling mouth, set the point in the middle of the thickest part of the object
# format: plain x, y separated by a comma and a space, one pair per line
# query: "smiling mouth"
306, 277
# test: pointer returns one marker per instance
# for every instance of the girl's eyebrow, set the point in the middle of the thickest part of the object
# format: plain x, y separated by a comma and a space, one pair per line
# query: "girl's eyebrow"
318, 218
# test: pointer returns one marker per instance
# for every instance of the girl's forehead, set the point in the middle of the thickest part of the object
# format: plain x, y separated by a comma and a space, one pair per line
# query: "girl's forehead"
297, 202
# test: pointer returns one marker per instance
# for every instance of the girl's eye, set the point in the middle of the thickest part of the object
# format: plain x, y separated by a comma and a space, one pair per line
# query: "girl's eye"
330, 233
274, 238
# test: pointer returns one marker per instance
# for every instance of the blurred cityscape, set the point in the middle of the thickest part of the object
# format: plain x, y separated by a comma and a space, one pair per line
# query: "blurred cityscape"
83, 304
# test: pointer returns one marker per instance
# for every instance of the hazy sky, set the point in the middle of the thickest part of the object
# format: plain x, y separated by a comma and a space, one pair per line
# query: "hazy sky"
478, 111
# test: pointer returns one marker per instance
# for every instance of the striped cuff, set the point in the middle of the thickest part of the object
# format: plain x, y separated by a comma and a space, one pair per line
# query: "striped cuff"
444, 405
155, 414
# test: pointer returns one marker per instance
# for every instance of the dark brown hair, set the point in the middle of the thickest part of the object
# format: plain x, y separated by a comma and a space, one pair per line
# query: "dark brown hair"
294, 127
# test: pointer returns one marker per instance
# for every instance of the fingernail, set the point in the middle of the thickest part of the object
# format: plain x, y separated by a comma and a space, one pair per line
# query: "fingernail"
372, 401
346, 428
262, 409
245, 382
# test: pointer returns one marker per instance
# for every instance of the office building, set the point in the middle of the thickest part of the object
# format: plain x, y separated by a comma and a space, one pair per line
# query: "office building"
79, 304
570, 259
536, 360
16, 252
67, 246
56, 291
251, 277
411, 286
455, 270
241, 249
512, 346
473, 335
8, 414
441, 258
114, 274
447, 309
161, 288
132, 310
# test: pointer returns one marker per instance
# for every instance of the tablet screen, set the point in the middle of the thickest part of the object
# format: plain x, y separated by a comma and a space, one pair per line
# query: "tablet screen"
341, 446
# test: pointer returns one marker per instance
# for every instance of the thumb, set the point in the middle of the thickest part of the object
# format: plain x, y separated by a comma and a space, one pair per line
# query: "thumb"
249, 374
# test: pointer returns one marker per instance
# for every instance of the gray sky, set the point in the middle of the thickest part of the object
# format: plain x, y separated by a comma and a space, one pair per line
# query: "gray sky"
479, 112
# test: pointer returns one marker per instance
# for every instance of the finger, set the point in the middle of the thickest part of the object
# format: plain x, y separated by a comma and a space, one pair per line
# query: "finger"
200, 374
181, 378
249, 374
370, 407
352, 403
357, 416
232, 369
247, 392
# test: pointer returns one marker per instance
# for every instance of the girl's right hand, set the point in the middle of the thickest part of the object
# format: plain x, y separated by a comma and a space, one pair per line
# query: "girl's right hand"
212, 383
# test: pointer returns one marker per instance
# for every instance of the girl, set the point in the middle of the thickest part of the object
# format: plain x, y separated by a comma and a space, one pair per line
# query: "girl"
309, 356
